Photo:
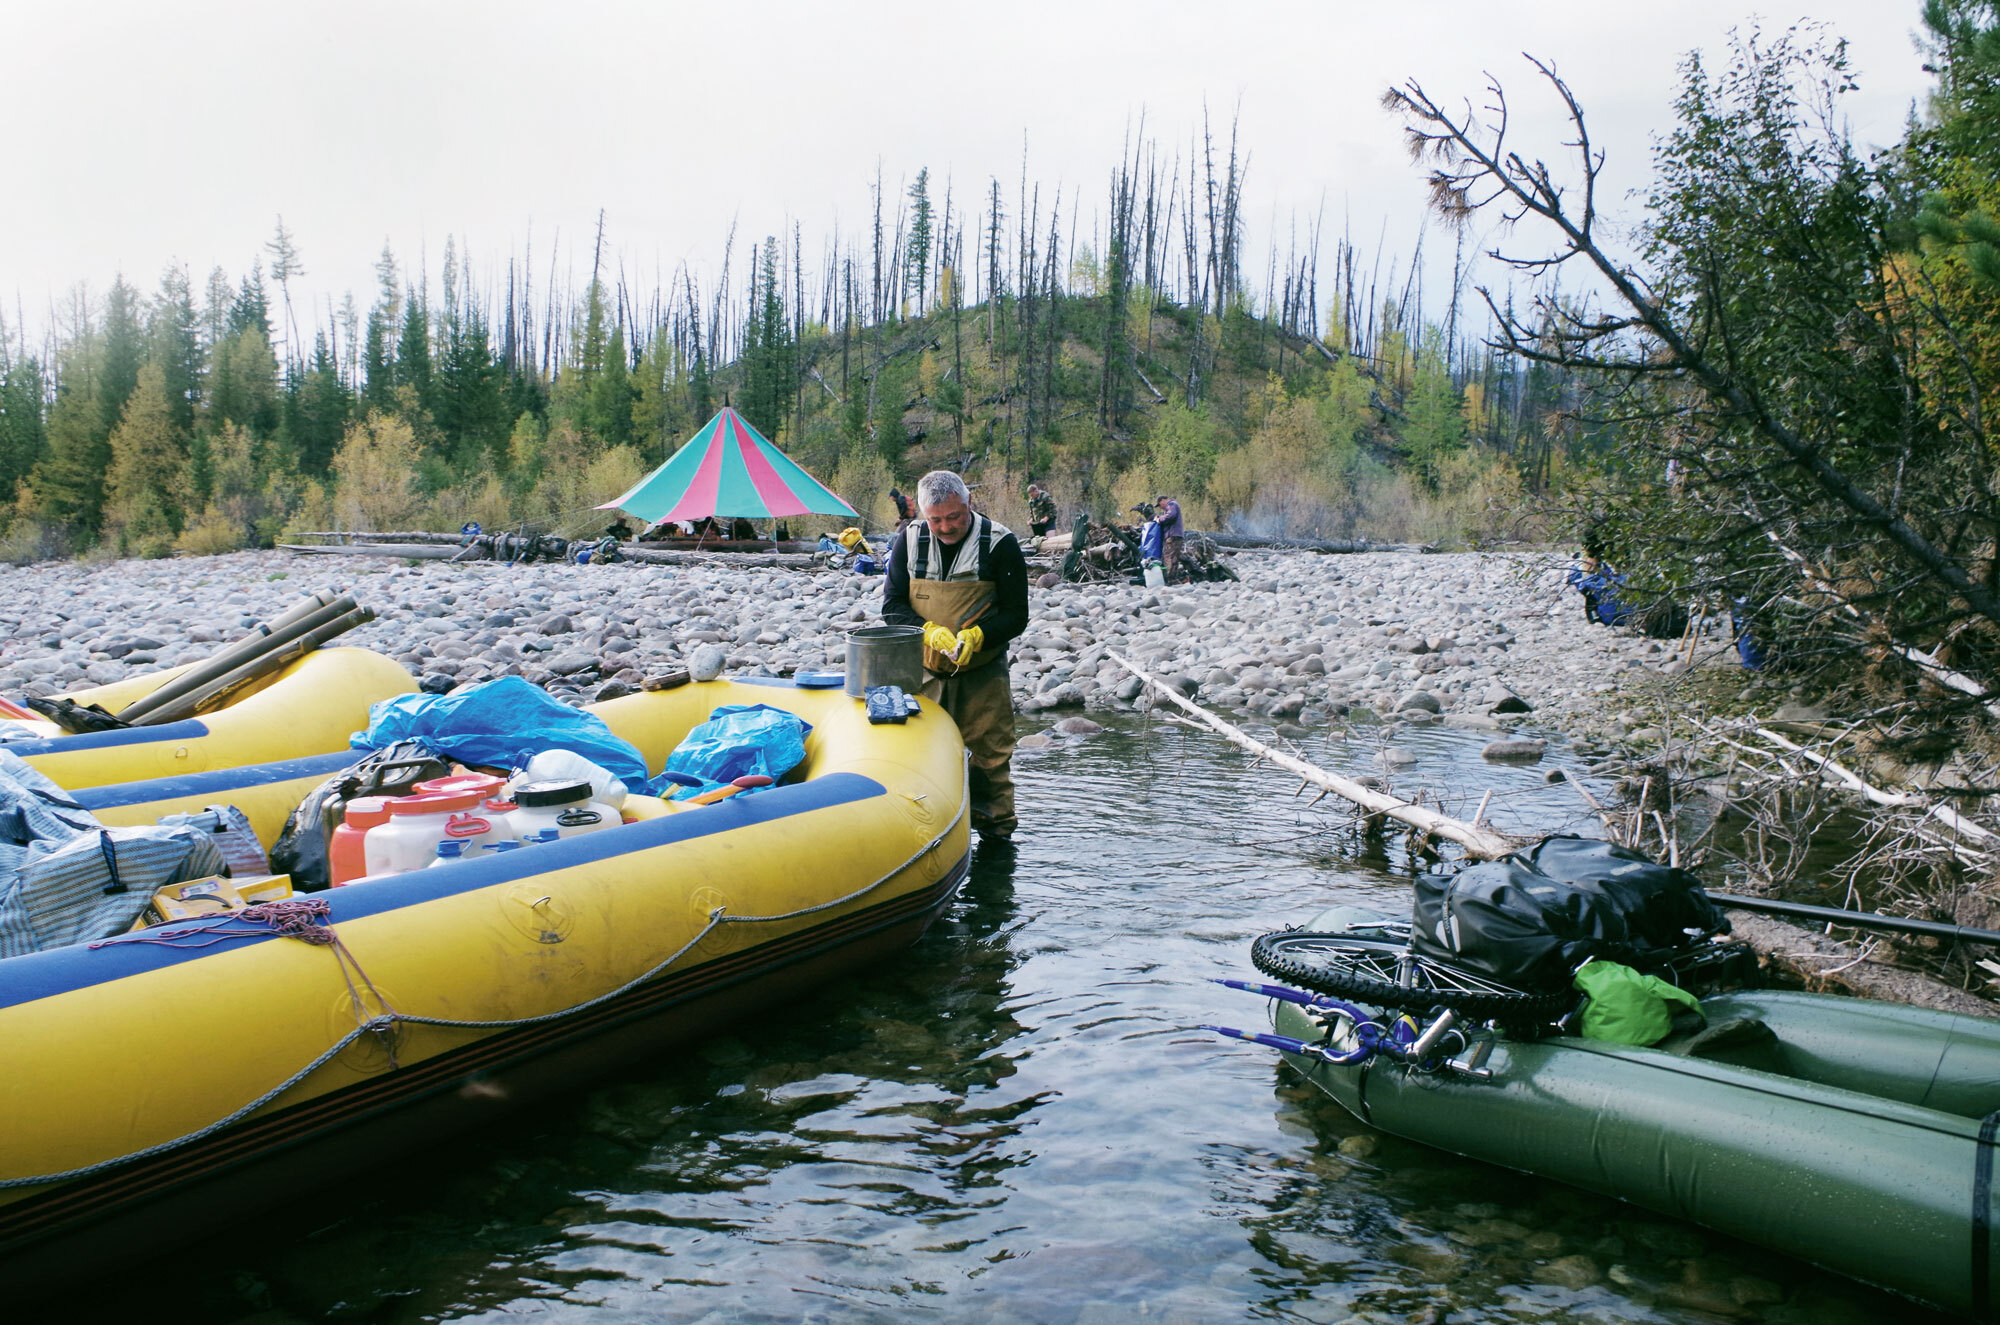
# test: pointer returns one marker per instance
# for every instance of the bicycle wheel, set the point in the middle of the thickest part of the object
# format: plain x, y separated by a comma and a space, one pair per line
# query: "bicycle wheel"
1387, 973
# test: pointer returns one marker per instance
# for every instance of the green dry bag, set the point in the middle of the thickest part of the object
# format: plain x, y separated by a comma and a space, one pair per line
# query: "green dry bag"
1626, 1006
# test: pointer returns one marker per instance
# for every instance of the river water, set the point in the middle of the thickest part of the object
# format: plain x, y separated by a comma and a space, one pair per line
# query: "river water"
1015, 1121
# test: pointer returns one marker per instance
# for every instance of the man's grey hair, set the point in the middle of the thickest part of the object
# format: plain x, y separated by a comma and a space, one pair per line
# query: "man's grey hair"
941, 485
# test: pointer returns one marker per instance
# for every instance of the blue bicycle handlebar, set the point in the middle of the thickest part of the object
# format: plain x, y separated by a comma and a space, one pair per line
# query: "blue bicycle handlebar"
1292, 1046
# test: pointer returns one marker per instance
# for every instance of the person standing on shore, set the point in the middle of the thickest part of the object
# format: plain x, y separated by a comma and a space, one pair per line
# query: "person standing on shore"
962, 578
1041, 511
1167, 512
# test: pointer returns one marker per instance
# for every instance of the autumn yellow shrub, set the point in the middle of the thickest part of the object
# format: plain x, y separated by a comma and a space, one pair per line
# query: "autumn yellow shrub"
375, 474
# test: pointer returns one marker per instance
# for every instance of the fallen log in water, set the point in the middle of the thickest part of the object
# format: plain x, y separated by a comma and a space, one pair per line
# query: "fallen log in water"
1480, 843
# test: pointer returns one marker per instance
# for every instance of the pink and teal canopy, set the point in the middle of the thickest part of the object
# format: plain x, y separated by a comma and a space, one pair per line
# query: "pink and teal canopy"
729, 471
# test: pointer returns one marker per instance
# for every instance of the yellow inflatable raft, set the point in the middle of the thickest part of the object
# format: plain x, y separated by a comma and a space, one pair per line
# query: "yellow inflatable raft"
307, 708
172, 1074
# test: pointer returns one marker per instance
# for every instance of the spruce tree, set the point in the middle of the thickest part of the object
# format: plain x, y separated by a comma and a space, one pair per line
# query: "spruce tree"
124, 351
471, 400
23, 435
252, 308
413, 349
243, 383
575, 388
378, 357
917, 247
174, 333
609, 405
319, 408
217, 298
701, 392
769, 365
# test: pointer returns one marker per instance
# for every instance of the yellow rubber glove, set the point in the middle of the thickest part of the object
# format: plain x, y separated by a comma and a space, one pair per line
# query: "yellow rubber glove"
939, 639
969, 641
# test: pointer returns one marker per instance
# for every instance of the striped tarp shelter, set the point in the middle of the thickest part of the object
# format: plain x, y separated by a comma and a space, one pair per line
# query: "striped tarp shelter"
729, 471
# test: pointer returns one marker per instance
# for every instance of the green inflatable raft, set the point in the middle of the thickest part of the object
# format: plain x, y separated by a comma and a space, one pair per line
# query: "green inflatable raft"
1855, 1135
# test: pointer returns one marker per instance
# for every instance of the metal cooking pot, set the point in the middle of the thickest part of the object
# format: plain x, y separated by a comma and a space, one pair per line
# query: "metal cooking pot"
884, 656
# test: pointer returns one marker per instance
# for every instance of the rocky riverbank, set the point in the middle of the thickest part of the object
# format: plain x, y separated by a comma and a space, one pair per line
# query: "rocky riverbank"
1473, 639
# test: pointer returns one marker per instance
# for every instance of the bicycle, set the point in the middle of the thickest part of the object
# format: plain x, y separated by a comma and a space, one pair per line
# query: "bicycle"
1374, 964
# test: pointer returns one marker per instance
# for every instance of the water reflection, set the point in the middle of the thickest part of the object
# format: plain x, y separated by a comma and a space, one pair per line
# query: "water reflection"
1013, 1120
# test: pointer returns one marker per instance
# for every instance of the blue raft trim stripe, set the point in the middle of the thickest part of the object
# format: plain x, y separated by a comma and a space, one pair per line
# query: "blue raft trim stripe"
64, 970
216, 783
185, 730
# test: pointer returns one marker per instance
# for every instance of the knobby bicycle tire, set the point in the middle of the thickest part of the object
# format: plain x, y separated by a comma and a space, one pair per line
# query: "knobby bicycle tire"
1365, 969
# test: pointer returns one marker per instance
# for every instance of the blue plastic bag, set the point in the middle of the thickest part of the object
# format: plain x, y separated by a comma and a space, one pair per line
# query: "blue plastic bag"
736, 741
1600, 595
1749, 649
500, 724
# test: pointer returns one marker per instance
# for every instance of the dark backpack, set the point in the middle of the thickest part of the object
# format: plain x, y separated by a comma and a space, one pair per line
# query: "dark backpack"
394, 770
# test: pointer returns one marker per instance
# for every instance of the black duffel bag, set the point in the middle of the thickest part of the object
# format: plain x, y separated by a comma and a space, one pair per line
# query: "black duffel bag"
1529, 921
1663, 907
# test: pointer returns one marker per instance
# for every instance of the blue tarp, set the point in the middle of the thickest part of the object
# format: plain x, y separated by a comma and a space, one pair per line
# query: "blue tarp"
1600, 595
737, 740
500, 724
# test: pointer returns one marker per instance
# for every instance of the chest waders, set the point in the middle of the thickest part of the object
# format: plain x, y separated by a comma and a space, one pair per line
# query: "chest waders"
955, 599
975, 690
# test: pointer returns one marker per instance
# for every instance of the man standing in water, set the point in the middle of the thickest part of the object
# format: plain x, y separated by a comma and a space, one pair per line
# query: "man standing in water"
962, 578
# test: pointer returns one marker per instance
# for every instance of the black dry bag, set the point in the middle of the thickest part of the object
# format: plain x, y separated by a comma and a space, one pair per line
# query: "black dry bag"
394, 770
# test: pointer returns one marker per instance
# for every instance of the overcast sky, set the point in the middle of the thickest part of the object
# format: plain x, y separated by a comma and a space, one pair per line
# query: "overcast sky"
158, 132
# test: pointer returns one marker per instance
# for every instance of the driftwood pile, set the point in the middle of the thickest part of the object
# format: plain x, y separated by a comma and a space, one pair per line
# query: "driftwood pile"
1111, 552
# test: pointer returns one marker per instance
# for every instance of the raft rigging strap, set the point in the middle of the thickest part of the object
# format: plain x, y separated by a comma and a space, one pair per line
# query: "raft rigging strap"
386, 1024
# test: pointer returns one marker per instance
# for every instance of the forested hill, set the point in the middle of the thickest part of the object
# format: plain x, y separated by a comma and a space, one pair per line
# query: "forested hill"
1252, 423
1108, 364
